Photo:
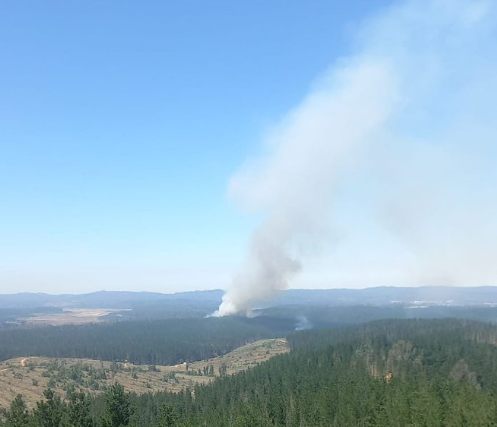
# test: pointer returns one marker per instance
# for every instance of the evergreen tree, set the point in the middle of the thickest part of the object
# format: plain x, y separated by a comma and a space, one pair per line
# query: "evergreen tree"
49, 413
168, 417
118, 407
78, 410
17, 415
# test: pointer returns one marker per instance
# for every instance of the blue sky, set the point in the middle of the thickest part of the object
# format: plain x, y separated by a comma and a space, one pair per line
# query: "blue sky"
121, 125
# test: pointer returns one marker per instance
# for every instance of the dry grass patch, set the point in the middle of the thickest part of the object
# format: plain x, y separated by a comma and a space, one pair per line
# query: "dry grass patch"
70, 316
30, 376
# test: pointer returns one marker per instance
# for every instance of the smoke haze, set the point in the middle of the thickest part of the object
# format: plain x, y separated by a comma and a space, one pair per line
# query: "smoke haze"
414, 107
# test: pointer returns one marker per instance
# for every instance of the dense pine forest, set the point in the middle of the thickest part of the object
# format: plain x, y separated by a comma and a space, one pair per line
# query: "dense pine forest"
385, 373
162, 342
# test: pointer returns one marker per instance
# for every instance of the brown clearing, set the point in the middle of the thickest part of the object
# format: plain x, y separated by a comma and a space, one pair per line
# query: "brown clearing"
72, 316
30, 376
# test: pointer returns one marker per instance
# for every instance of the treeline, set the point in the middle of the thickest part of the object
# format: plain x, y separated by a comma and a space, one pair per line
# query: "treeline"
395, 373
323, 316
161, 342
448, 333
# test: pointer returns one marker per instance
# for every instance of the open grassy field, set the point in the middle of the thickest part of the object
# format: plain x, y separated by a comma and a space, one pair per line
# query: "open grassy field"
30, 376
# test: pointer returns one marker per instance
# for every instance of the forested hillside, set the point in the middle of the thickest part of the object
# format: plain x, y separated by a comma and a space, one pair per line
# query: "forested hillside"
386, 373
392, 373
162, 342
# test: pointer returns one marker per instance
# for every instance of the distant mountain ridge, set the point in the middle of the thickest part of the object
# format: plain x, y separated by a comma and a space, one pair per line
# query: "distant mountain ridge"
103, 299
416, 296
386, 295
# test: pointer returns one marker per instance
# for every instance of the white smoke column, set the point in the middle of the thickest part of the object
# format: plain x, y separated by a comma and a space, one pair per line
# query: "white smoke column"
410, 56
295, 183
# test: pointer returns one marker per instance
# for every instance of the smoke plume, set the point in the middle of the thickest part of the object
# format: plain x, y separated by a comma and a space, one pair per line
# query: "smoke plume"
303, 324
420, 83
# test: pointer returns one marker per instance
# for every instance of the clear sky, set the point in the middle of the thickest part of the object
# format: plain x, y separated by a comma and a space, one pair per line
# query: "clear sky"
122, 123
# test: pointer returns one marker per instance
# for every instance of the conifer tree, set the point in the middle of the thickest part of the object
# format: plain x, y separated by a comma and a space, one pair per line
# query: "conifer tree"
17, 415
78, 410
118, 408
48, 413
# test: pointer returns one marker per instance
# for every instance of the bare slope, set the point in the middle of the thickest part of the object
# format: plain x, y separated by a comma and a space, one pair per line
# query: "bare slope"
30, 376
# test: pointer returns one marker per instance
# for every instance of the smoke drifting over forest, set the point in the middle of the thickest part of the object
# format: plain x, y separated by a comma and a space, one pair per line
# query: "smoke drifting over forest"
418, 92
